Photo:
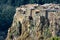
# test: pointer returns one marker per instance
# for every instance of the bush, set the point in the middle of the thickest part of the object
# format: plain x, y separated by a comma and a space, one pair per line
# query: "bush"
55, 38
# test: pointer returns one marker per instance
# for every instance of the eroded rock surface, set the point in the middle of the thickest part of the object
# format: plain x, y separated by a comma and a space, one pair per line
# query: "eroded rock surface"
35, 22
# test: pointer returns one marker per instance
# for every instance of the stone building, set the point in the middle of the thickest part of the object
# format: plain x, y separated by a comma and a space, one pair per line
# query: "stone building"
33, 22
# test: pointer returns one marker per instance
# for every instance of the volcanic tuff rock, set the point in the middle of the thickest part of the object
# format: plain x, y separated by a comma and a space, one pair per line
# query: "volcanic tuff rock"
35, 22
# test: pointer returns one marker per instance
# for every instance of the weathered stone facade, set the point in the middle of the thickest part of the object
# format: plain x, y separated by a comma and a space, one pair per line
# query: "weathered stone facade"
34, 22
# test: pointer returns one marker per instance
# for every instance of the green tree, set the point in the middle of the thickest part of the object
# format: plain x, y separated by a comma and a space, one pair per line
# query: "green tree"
25, 1
31, 1
18, 2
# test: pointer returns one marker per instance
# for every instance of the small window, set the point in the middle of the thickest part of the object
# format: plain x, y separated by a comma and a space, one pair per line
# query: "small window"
24, 12
35, 6
30, 18
37, 12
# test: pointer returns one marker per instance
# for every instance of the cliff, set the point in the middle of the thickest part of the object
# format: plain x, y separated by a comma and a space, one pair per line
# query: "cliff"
35, 22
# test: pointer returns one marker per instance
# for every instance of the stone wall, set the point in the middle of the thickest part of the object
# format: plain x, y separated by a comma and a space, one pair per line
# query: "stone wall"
34, 22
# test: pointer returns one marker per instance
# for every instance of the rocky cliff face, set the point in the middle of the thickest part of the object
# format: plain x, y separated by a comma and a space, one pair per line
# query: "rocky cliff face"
35, 22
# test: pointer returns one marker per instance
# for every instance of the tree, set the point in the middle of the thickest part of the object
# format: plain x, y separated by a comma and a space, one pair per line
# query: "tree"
37, 1
31, 1
25, 1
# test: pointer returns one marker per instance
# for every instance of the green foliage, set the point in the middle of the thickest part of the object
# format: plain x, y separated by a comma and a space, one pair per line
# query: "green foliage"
31, 1
55, 38
6, 15
47, 33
